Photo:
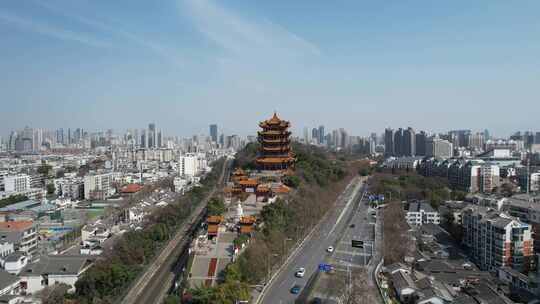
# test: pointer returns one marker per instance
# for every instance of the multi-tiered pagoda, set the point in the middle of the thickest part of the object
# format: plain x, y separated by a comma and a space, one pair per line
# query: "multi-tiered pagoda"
275, 152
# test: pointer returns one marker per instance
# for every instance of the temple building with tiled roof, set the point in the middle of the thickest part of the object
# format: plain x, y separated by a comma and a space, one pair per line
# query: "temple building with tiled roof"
275, 152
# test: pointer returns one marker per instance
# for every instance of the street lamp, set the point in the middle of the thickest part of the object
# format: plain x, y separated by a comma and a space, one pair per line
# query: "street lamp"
284, 246
268, 266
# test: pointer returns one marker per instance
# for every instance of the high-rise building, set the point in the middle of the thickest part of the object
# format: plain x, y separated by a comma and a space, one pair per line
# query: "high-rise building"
372, 143
307, 135
420, 143
60, 136
12, 141
321, 134
315, 135
476, 140
151, 136
486, 134
459, 137
439, 148
409, 147
159, 139
388, 142
398, 142
214, 133
537, 138
497, 240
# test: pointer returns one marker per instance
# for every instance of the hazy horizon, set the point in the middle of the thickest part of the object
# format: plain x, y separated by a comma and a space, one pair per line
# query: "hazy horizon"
186, 64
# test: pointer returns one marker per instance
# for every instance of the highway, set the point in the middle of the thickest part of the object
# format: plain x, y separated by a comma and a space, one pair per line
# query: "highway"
153, 285
313, 250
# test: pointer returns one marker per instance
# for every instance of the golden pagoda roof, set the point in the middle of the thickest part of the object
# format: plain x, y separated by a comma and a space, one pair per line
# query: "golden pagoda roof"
275, 159
277, 148
274, 121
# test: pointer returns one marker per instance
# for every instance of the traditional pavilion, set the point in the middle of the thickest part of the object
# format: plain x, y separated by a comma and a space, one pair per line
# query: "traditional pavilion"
275, 152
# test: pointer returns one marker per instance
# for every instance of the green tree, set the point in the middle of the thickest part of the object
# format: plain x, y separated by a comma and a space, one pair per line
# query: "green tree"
292, 181
216, 206
50, 189
44, 169
172, 299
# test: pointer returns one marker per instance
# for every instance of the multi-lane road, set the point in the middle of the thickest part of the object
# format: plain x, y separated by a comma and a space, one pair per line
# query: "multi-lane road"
313, 250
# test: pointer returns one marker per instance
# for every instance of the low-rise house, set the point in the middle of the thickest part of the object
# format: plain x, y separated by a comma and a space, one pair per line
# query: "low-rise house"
92, 232
15, 262
9, 286
50, 270
421, 213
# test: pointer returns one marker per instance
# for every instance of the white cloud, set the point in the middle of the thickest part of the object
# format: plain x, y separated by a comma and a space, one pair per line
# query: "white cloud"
154, 47
241, 36
51, 31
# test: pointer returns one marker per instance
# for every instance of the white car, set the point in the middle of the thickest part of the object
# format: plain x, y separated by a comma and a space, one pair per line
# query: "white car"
301, 272
330, 249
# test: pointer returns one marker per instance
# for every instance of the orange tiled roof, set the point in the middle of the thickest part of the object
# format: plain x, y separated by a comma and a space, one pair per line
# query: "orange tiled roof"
263, 188
214, 219
239, 171
246, 229
248, 219
275, 120
282, 189
249, 182
131, 188
213, 229
284, 159
16, 225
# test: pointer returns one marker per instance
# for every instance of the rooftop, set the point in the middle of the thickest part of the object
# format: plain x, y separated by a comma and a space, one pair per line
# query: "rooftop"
15, 225
57, 265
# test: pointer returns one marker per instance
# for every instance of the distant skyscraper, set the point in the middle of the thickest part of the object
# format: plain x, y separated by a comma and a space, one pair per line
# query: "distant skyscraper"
214, 132
486, 134
408, 141
151, 136
372, 143
388, 142
306, 136
439, 148
144, 139
159, 139
537, 138
321, 134
315, 135
420, 143
398, 142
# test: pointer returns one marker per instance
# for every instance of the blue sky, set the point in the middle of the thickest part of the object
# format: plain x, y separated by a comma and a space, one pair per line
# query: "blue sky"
361, 65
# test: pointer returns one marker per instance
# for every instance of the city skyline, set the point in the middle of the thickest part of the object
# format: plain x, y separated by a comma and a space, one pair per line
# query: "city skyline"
456, 65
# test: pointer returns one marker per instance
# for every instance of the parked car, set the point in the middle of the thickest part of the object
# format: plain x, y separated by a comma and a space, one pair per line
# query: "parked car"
330, 249
301, 272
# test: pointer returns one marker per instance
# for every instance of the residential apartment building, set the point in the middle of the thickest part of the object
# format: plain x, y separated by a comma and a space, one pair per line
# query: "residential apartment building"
422, 213
439, 148
98, 186
17, 183
527, 211
22, 234
496, 240
465, 175
188, 165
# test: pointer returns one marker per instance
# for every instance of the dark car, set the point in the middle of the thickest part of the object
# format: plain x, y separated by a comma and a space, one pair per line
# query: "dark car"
352, 225
295, 289
316, 301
